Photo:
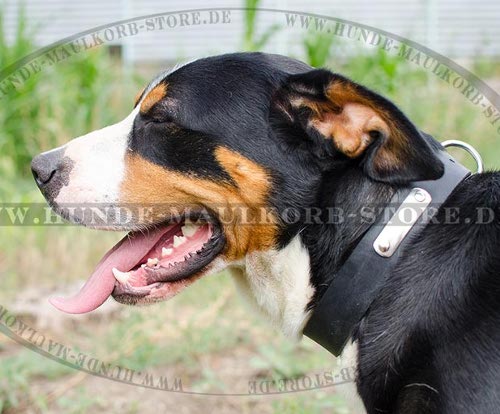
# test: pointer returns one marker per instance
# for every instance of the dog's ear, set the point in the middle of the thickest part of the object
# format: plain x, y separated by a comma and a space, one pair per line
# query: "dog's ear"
361, 124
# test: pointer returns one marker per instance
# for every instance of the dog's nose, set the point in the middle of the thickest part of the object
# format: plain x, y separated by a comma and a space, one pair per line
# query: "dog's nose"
45, 167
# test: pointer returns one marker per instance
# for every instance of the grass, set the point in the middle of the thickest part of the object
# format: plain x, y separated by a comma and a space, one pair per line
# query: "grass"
58, 103
17, 373
317, 403
183, 333
252, 41
317, 48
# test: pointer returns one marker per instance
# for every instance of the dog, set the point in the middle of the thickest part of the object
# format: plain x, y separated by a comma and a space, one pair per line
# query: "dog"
223, 149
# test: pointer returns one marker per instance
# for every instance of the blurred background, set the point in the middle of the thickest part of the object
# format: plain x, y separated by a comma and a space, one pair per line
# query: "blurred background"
206, 335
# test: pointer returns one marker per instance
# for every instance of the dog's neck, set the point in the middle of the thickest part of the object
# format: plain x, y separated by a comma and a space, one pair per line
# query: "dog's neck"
330, 242
278, 284
283, 284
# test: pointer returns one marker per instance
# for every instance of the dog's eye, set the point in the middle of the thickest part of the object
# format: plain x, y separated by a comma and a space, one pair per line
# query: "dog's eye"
157, 117
161, 119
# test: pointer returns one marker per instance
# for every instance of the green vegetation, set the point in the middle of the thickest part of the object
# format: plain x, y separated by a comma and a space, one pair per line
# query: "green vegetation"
17, 373
251, 41
317, 48
202, 329
82, 93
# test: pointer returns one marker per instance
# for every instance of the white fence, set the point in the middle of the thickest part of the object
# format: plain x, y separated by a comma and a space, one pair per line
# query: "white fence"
456, 28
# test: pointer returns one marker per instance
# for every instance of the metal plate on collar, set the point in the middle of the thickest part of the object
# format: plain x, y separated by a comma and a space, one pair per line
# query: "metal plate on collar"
401, 222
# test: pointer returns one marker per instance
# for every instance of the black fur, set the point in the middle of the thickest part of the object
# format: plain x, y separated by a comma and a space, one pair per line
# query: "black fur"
430, 341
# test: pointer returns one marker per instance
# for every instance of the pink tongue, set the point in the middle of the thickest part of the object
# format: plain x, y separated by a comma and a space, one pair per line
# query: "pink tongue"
124, 256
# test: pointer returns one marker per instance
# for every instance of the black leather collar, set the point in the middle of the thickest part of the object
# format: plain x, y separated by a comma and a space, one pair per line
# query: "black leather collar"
357, 282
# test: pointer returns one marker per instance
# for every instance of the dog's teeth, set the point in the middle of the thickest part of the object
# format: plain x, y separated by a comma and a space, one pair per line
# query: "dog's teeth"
178, 240
122, 277
189, 230
152, 262
166, 252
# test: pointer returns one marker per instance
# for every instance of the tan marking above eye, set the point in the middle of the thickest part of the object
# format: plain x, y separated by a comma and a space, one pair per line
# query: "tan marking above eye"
153, 97
244, 212
138, 96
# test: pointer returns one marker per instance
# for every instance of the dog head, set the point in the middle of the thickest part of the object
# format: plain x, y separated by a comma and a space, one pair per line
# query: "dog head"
210, 164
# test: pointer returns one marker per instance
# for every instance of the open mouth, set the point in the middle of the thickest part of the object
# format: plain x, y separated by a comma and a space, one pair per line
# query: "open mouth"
149, 266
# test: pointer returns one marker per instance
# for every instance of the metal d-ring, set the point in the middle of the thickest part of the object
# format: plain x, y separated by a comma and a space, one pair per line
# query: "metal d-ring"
469, 148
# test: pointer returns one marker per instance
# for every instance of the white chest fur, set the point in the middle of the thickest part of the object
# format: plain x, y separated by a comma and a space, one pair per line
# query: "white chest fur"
277, 282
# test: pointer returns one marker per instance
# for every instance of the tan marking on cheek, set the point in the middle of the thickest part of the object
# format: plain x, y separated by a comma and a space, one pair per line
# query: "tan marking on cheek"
138, 96
153, 97
254, 186
247, 223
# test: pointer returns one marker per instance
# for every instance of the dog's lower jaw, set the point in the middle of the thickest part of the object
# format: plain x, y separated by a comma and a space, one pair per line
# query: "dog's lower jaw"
277, 283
